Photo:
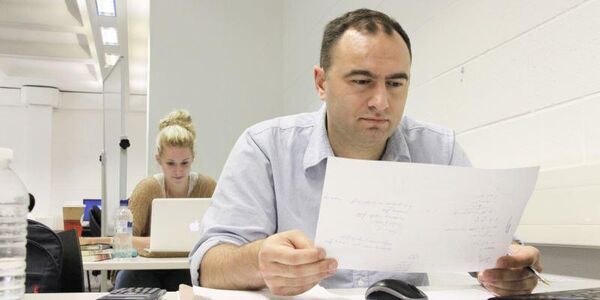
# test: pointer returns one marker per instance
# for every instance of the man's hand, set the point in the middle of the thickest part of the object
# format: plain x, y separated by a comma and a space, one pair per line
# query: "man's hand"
511, 276
290, 264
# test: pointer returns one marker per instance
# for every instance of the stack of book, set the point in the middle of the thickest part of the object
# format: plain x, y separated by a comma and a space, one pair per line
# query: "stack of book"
96, 252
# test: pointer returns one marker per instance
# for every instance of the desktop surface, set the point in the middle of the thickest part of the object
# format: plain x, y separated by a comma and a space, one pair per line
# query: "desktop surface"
445, 291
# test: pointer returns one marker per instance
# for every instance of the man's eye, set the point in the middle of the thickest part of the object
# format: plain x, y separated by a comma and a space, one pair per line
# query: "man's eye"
361, 81
171, 163
184, 163
394, 84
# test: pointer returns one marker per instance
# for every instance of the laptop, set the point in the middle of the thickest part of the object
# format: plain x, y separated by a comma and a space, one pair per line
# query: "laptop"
175, 226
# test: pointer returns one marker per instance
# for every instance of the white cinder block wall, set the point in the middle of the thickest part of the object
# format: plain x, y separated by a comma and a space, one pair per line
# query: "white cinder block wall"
517, 80
65, 169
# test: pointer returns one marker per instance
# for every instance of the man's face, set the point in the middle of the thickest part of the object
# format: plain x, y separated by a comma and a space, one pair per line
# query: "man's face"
365, 87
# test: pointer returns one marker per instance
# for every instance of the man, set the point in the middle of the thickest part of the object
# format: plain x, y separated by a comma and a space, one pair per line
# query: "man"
260, 229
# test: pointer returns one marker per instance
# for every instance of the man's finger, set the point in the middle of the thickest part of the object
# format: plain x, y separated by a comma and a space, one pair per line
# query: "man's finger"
492, 275
290, 290
519, 285
296, 271
298, 282
522, 256
298, 239
288, 256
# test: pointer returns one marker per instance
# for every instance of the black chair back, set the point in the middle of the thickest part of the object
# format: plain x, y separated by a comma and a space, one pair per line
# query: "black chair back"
95, 221
44, 259
71, 276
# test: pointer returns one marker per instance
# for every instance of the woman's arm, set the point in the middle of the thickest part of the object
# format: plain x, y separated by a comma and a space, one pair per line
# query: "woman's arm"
140, 243
140, 204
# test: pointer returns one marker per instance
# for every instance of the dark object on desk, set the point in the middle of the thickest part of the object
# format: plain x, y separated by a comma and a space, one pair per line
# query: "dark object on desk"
71, 277
44, 259
141, 293
95, 231
393, 289
95, 221
593, 294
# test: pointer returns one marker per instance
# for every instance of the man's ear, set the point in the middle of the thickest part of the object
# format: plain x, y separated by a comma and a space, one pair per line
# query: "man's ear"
319, 75
157, 157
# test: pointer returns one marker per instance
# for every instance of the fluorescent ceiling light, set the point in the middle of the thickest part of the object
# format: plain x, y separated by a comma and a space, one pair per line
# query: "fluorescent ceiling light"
110, 59
109, 36
106, 8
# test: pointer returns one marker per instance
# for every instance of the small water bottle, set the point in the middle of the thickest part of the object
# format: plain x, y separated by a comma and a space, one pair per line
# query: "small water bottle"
14, 201
122, 244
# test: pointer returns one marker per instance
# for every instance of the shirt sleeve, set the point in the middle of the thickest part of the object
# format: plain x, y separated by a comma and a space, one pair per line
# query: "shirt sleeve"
243, 205
459, 157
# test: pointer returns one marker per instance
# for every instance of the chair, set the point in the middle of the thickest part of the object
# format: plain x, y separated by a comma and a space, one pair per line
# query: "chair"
44, 259
95, 221
71, 277
95, 230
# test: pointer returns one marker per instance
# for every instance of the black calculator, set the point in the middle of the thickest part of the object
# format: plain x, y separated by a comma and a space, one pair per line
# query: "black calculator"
134, 293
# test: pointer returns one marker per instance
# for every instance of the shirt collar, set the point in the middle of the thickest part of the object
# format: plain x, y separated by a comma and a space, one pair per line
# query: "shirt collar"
319, 148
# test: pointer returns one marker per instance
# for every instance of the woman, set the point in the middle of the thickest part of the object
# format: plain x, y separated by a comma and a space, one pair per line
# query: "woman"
175, 154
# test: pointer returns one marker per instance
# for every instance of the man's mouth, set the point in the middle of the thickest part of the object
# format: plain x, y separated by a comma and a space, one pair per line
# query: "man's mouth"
374, 120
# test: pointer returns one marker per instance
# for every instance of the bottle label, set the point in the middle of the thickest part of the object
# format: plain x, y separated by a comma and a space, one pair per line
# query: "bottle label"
123, 227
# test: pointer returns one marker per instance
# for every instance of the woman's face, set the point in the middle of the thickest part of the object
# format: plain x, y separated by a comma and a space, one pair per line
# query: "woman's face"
175, 163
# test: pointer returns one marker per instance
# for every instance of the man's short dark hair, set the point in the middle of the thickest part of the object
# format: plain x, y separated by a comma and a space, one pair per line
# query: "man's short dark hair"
362, 20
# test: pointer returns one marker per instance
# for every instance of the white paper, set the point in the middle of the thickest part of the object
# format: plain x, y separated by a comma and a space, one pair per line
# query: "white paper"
406, 217
316, 293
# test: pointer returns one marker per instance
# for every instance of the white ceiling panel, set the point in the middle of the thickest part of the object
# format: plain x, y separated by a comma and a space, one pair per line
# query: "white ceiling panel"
51, 43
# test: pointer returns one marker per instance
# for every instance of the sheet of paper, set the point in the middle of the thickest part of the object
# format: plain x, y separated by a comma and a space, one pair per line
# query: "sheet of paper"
405, 217
316, 293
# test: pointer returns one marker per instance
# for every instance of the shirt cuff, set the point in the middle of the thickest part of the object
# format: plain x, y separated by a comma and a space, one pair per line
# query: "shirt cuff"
196, 258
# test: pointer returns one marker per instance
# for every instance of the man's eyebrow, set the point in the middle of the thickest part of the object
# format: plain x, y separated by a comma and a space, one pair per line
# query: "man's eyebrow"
359, 72
400, 75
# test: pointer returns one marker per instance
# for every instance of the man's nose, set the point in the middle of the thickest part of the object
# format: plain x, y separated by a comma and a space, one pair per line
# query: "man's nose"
379, 100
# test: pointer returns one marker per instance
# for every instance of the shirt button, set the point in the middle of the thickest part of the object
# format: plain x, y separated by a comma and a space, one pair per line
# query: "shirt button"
361, 282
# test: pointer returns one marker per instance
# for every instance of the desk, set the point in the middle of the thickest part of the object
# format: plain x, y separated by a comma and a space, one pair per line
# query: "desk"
476, 292
443, 292
135, 263
139, 263
81, 296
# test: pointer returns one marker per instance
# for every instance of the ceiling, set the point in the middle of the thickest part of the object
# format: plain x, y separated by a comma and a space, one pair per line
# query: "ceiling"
57, 43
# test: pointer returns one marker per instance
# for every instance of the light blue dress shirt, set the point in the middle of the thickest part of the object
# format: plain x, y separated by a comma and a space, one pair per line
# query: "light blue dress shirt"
273, 179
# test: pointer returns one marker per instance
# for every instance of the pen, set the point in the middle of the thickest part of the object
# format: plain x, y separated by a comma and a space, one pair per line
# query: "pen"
538, 275
530, 268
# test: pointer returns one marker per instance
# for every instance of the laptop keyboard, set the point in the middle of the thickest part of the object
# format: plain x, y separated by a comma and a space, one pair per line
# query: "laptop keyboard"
584, 294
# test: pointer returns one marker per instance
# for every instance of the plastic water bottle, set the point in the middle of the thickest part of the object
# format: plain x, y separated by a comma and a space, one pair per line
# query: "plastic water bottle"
14, 201
122, 244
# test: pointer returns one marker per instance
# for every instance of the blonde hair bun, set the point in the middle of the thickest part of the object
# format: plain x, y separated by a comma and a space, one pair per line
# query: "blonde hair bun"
179, 117
177, 130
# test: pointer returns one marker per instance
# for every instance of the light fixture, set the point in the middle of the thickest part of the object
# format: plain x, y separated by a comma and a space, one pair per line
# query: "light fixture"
109, 36
106, 8
110, 59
